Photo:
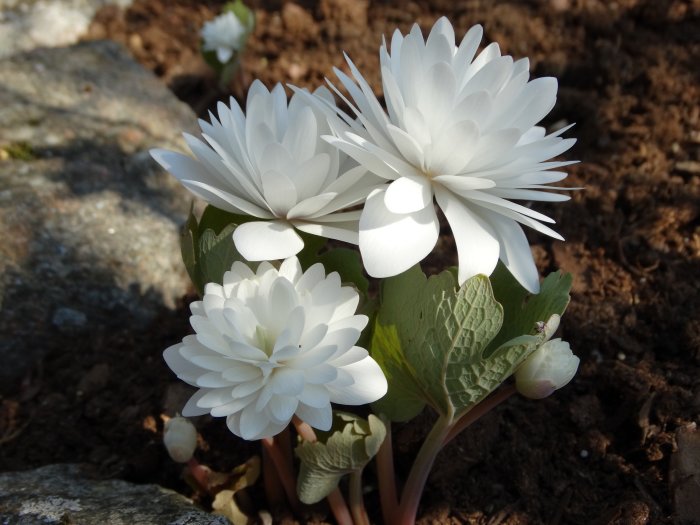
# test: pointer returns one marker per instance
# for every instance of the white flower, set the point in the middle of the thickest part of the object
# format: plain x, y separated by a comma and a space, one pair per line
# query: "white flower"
226, 34
180, 439
273, 166
461, 130
548, 368
273, 344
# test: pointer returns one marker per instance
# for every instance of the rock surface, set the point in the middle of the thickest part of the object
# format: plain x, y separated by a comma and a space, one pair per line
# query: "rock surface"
59, 494
88, 222
28, 24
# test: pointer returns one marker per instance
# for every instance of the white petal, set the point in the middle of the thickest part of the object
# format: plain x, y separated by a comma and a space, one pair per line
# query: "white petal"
353, 355
477, 246
407, 146
338, 231
282, 408
391, 243
241, 372
310, 206
280, 192
315, 396
320, 418
192, 408
287, 381
234, 406
515, 252
253, 423
369, 384
224, 200
267, 240
462, 183
408, 195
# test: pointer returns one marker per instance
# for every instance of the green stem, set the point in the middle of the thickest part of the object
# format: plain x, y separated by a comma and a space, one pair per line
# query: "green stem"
479, 410
385, 476
357, 504
410, 497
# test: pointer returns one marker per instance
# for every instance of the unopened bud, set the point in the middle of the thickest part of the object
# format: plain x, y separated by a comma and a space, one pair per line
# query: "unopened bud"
547, 369
180, 439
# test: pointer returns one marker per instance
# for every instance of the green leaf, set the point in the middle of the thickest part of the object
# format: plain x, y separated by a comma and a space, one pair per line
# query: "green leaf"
312, 245
350, 444
207, 247
391, 335
216, 254
449, 347
464, 324
216, 219
404, 399
188, 234
242, 12
522, 310
348, 264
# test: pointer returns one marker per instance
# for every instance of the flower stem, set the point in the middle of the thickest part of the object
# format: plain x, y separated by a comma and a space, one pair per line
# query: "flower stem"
385, 476
339, 507
285, 474
410, 497
479, 410
335, 498
357, 504
199, 474
274, 491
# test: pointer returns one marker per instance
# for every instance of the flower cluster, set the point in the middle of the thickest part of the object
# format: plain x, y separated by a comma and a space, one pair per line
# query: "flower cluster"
460, 128
459, 132
273, 344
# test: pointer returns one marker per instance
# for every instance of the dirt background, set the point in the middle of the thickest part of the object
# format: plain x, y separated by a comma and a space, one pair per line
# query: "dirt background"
597, 452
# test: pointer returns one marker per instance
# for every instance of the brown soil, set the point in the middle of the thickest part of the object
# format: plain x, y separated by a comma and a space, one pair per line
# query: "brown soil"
598, 451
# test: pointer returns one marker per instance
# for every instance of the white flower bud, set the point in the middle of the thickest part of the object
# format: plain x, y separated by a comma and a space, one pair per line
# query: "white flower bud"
180, 438
547, 369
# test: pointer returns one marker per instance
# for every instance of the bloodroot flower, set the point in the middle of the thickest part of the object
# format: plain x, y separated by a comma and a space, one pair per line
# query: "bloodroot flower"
461, 130
548, 368
272, 344
273, 166
226, 35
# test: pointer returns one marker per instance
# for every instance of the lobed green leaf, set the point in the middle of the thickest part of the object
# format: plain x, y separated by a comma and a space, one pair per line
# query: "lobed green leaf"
347, 447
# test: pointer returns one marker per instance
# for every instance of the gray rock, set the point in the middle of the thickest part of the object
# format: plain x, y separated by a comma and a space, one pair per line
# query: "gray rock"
58, 494
28, 24
88, 222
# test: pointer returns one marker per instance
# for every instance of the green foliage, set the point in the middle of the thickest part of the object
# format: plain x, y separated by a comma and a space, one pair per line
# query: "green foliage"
348, 264
350, 444
448, 346
242, 12
523, 310
345, 261
207, 247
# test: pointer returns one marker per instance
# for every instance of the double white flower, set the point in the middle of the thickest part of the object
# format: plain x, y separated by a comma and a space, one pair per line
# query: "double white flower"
273, 165
226, 35
272, 344
460, 130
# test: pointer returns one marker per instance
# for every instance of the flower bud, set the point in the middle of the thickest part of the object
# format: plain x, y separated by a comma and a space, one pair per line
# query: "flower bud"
547, 369
180, 438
